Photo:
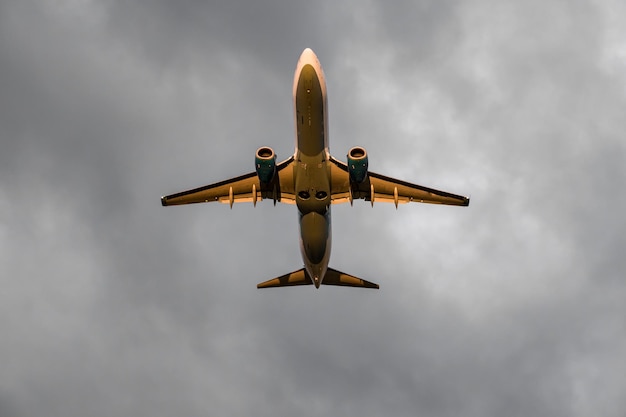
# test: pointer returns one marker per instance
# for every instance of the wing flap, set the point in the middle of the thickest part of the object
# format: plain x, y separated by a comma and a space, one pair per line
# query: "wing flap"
245, 188
239, 188
380, 188
387, 189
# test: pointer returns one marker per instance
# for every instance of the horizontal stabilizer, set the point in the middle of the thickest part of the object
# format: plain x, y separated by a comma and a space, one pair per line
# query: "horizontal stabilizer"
299, 277
334, 277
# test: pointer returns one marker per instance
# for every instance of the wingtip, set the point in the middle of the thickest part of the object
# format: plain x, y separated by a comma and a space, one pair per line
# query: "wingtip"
164, 201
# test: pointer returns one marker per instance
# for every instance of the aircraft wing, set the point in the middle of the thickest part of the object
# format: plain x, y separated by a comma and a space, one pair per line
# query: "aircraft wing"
379, 188
245, 188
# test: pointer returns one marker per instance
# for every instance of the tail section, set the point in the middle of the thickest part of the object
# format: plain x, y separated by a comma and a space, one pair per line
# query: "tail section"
332, 277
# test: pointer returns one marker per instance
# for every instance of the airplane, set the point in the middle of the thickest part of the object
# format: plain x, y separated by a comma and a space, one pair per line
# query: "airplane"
313, 180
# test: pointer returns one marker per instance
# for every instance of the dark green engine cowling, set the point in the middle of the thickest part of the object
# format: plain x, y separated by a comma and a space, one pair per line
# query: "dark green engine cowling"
357, 164
265, 164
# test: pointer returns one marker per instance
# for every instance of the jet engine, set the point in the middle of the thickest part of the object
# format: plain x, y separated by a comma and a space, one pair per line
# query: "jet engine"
265, 163
357, 164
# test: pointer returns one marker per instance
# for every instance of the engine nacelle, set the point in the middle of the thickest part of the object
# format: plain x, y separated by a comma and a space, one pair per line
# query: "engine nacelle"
357, 164
265, 164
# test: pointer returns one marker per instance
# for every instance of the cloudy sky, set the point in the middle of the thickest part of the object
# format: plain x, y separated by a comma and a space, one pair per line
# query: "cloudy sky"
111, 305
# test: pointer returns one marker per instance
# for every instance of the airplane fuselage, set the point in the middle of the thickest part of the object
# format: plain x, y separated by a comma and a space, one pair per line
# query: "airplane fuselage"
311, 171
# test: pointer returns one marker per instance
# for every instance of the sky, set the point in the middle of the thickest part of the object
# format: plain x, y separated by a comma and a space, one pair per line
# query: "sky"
111, 305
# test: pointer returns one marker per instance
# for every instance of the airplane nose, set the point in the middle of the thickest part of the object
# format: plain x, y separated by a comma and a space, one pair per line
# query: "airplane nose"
308, 55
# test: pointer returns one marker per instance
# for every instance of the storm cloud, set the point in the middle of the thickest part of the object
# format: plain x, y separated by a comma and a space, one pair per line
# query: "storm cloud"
113, 305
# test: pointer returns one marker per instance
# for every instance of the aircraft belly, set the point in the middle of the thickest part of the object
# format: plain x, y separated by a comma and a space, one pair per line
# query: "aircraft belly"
312, 184
314, 233
309, 103
315, 243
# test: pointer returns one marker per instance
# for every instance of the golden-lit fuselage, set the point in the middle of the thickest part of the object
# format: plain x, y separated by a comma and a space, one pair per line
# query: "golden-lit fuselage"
311, 171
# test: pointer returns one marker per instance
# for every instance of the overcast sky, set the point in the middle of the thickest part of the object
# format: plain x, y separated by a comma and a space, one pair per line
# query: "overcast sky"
111, 305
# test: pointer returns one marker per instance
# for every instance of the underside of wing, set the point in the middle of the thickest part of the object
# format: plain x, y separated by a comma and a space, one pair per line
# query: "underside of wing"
380, 188
245, 188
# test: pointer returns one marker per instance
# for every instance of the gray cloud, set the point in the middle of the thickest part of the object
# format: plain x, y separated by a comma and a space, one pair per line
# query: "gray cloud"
112, 305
